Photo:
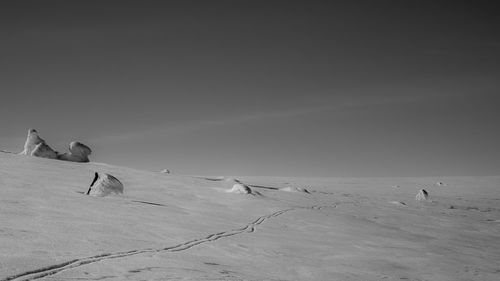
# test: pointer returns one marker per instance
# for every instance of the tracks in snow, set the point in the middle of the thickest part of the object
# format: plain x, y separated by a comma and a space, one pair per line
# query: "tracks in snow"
54, 269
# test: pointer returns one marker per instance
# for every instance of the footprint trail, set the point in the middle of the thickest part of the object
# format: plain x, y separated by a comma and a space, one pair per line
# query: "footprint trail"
54, 269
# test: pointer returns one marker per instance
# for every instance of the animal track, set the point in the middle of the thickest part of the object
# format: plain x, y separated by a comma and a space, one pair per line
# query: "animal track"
54, 269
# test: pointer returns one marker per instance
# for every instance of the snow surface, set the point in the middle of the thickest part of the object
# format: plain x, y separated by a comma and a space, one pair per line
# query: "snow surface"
178, 227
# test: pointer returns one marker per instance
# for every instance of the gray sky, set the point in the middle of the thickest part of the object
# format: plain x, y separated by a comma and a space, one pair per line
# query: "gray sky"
293, 88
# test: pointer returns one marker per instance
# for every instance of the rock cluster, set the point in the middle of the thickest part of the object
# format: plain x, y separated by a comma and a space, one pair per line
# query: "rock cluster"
36, 146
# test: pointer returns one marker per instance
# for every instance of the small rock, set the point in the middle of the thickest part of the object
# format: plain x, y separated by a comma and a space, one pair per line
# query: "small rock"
240, 188
422, 195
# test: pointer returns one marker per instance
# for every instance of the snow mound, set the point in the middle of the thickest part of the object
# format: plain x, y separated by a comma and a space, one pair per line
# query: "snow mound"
294, 189
104, 184
422, 195
240, 188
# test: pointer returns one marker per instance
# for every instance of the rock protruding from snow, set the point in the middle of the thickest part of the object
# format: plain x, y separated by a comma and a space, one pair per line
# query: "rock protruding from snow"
422, 195
32, 140
44, 150
294, 189
240, 188
165, 171
78, 152
440, 183
104, 184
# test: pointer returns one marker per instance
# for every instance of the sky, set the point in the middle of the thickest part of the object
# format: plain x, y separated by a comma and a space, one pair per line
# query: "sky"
271, 88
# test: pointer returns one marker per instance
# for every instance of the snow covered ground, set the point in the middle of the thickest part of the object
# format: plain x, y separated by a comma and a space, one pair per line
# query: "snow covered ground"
178, 227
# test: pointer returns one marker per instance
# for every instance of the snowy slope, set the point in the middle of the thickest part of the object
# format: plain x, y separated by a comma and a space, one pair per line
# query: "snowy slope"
176, 227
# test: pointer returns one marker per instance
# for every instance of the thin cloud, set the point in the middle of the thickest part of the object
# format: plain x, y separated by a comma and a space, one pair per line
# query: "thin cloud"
185, 127
189, 126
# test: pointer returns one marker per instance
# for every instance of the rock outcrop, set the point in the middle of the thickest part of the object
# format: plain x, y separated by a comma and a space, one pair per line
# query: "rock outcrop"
104, 184
32, 140
78, 152
36, 146
44, 150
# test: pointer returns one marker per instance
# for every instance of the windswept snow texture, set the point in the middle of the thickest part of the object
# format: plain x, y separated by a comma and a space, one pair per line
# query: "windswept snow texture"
182, 228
